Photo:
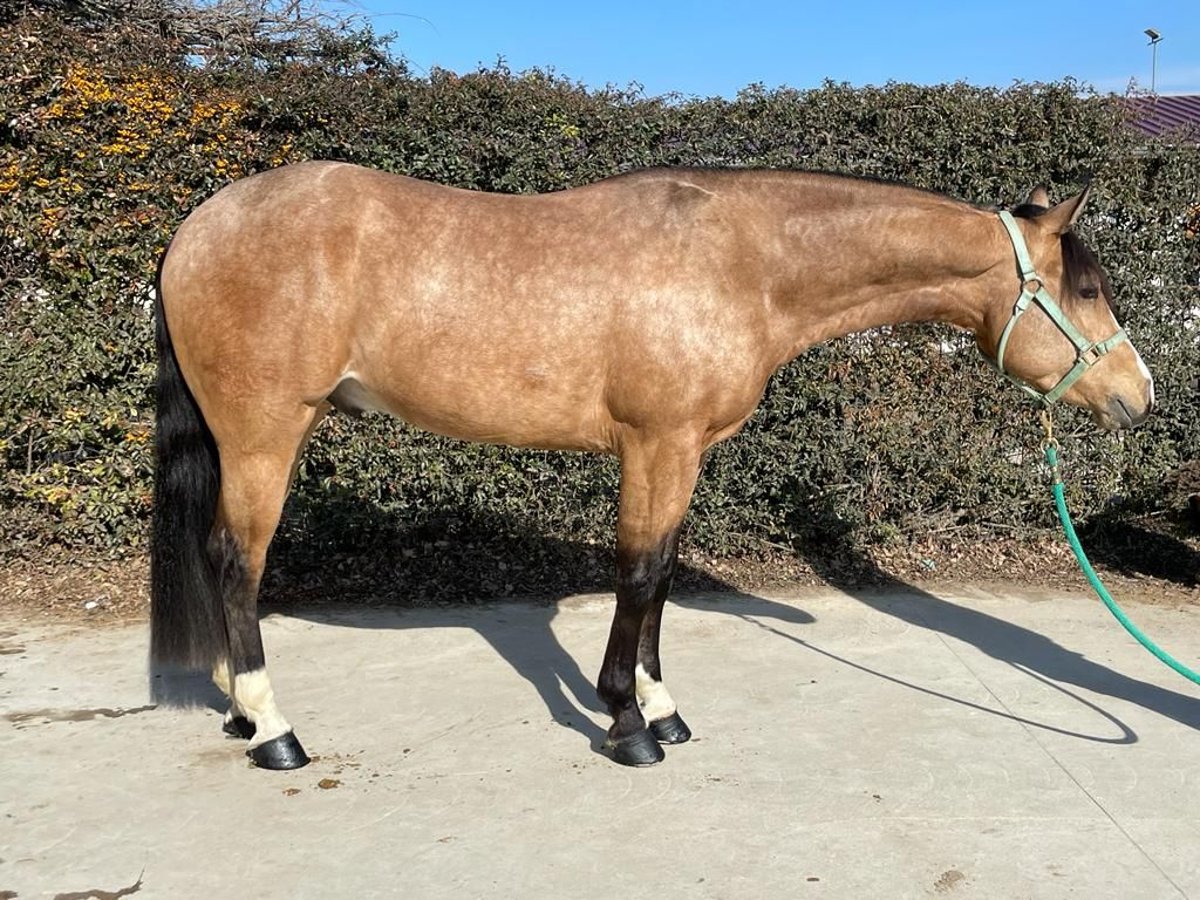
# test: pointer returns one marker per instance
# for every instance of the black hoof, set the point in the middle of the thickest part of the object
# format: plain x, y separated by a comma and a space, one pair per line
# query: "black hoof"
239, 727
671, 730
639, 749
283, 752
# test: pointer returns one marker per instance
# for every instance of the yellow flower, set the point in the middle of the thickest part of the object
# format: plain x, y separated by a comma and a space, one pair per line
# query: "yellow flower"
56, 495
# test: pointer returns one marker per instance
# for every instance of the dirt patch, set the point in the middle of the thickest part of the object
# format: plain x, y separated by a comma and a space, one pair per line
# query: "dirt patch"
71, 588
948, 881
46, 716
100, 894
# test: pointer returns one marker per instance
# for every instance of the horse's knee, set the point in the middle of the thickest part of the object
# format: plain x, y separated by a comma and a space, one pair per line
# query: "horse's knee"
639, 575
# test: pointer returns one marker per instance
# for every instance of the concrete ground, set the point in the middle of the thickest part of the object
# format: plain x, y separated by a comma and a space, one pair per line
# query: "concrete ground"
889, 744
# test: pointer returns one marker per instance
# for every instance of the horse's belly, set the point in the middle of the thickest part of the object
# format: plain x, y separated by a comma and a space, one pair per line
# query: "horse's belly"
490, 413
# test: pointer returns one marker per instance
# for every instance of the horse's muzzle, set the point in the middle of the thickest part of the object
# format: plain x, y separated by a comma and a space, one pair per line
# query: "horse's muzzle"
1124, 412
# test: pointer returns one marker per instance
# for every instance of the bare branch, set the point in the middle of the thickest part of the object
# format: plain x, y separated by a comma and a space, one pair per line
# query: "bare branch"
231, 32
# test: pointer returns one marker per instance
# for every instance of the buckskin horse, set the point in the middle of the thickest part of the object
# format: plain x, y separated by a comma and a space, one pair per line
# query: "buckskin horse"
640, 316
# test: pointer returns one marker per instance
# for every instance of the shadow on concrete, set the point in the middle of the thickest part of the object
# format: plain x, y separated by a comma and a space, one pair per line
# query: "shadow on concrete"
452, 568
534, 651
1028, 651
441, 569
173, 686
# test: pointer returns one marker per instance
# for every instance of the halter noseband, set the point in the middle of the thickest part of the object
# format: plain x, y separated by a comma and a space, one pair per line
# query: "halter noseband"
1087, 353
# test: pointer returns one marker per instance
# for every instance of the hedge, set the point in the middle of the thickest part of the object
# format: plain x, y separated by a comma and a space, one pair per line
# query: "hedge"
109, 136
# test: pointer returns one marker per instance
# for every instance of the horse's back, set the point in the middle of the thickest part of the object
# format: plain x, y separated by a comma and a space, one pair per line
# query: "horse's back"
515, 319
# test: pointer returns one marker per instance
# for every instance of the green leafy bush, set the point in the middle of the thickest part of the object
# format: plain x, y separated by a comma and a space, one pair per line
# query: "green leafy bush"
110, 137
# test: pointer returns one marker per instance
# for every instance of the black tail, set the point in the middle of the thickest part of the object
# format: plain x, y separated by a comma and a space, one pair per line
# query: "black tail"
187, 616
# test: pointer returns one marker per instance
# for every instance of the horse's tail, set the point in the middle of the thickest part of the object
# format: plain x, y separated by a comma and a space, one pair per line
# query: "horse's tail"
187, 616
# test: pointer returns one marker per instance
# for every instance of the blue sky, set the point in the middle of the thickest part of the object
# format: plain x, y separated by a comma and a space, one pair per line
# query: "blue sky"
709, 48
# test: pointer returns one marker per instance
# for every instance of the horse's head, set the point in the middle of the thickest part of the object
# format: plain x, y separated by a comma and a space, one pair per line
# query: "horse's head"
1060, 339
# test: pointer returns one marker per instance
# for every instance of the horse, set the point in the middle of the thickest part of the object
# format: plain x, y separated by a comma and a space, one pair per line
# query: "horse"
639, 316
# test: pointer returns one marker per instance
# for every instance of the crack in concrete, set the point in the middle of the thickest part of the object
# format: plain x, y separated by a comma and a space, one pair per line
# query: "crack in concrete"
1057, 762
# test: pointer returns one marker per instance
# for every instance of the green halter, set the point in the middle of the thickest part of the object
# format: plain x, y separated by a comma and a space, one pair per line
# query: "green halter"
1033, 290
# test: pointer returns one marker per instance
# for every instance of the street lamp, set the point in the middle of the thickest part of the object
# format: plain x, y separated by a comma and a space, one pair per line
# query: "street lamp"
1155, 37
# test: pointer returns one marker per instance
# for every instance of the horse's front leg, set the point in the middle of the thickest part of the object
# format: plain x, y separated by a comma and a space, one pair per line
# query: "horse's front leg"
658, 474
658, 707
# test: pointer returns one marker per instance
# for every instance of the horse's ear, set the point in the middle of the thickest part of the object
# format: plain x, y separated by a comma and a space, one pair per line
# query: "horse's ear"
1039, 197
1062, 217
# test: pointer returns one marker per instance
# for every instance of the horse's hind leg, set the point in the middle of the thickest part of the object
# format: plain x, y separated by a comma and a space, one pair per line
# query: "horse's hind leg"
236, 724
658, 474
255, 477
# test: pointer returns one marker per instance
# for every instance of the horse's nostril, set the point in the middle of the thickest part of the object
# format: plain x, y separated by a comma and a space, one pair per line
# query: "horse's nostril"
1128, 413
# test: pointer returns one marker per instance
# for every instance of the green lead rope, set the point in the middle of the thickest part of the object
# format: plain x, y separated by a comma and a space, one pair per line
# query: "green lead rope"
1051, 448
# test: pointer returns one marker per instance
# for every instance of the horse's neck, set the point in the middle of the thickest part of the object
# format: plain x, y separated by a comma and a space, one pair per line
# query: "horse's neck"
864, 262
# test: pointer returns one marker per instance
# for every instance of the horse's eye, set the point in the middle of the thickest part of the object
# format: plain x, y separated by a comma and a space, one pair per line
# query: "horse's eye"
1089, 293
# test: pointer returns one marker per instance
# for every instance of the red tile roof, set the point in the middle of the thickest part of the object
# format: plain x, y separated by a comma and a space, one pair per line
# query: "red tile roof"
1159, 114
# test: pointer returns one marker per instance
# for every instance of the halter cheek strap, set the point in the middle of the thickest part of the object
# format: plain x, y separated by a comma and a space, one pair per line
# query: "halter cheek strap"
1033, 290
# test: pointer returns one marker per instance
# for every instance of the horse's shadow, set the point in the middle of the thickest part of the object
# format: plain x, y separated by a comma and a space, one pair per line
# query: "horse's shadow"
532, 647
1034, 654
476, 579
465, 570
